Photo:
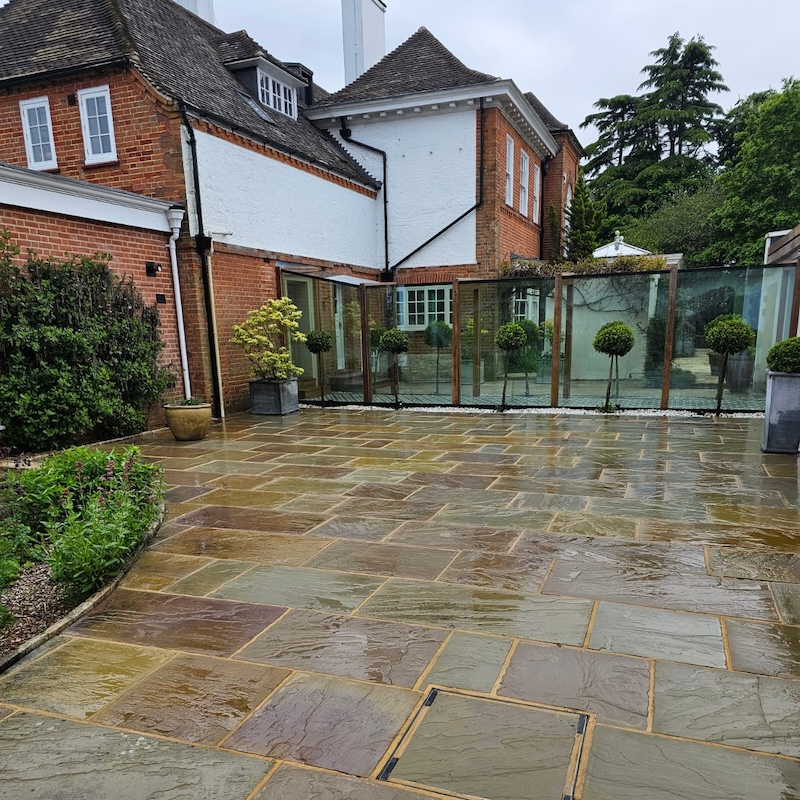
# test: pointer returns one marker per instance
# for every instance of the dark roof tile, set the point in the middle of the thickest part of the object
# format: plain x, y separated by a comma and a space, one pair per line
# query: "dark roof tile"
421, 64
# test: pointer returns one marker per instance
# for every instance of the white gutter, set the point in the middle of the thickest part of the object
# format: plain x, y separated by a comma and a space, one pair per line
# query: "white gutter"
174, 219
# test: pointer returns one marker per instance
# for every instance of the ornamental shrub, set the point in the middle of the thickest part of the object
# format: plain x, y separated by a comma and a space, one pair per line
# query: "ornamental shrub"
509, 338
785, 356
394, 342
78, 352
438, 334
727, 334
319, 342
263, 337
614, 339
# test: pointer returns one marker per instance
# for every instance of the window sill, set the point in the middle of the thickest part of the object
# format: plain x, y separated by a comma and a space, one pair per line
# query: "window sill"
93, 164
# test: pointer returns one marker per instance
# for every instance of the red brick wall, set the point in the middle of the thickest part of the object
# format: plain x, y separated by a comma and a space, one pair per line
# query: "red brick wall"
147, 133
58, 236
562, 171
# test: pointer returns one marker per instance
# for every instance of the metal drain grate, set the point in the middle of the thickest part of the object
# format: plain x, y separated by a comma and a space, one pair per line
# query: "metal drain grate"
473, 747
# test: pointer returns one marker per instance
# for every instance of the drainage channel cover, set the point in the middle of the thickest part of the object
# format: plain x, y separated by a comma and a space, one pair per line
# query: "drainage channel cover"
471, 747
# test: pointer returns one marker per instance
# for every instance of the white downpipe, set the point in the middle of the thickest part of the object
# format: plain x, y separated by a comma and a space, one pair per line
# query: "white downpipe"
174, 219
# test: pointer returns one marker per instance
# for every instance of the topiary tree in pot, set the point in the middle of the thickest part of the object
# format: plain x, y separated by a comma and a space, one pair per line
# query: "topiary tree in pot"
263, 337
782, 409
394, 342
727, 334
614, 339
438, 334
509, 338
319, 342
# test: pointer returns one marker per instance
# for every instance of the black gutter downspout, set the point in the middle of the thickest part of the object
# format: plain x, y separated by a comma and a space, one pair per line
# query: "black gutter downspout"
461, 216
387, 275
545, 167
203, 244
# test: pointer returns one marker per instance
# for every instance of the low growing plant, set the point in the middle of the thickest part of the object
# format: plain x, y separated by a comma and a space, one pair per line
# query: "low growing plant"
785, 356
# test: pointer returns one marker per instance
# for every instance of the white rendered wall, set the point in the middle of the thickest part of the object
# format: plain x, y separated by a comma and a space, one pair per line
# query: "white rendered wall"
363, 35
431, 180
268, 205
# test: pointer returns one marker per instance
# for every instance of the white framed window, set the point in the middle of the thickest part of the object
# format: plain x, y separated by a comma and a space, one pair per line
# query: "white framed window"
537, 192
524, 178
509, 171
276, 95
418, 306
526, 304
37, 130
97, 125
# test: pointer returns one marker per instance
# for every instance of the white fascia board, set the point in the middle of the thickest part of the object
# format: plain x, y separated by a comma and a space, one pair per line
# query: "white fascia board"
269, 68
496, 90
37, 191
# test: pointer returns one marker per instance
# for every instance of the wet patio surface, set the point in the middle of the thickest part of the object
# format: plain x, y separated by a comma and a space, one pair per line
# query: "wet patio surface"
609, 607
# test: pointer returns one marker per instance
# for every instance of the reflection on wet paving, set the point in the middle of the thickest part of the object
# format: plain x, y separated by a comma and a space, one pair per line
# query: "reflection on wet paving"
319, 572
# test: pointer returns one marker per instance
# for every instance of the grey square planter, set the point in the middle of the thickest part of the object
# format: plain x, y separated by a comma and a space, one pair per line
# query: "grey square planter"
274, 397
782, 413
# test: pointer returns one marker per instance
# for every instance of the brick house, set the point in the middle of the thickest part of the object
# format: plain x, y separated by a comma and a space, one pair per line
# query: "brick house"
419, 171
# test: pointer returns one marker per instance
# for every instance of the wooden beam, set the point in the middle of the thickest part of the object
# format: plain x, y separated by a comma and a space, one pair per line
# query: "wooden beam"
366, 372
556, 356
669, 338
455, 308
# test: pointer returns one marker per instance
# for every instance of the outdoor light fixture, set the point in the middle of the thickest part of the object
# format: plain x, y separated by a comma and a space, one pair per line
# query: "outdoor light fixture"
152, 268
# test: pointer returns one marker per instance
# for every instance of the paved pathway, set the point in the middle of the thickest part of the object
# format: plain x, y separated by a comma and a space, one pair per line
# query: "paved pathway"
610, 607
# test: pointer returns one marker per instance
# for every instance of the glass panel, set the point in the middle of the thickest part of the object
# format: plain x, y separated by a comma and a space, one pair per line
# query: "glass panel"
590, 303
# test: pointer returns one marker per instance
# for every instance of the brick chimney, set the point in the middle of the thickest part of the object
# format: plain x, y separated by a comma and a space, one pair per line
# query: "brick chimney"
203, 8
364, 29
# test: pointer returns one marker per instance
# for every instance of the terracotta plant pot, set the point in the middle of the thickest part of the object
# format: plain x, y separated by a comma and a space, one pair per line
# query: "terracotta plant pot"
188, 423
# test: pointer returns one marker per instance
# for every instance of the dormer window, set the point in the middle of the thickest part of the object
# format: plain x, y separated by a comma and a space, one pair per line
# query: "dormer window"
277, 95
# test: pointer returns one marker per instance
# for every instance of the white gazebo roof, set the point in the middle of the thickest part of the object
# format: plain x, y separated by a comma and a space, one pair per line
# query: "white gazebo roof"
619, 247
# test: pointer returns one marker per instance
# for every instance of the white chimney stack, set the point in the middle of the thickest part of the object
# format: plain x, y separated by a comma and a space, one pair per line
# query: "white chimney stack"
364, 31
203, 8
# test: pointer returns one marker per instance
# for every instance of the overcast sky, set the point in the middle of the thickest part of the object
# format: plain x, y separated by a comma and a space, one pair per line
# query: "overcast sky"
569, 52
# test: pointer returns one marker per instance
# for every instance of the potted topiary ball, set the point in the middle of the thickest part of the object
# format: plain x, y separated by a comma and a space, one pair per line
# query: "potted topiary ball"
394, 342
782, 410
319, 342
263, 337
509, 338
614, 339
727, 334
188, 419
438, 334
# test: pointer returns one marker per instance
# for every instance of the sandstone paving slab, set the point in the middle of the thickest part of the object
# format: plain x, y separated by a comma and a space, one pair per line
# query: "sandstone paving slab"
79, 678
295, 484
657, 633
155, 569
326, 722
177, 622
731, 562
290, 782
390, 491
788, 518
514, 573
595, 525
448, 480
754, 712
300, 588
383, 559
614, 688
439, 533
689, 591
650, 555
474, 747
787, 598
252, 519
364, 649
470, 661
210, 577
488, 498
179, 477
386, 509
54, 759
248, 498
515, 518
5, 711
626, 765
764, 649
310, 503
309, 472
535, 485
541, 501
366, 529
182, 494
548, 619
753, 537
243, 545
627, 507
193, 698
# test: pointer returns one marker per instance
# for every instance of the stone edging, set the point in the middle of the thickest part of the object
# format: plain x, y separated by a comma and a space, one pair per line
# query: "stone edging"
87, 605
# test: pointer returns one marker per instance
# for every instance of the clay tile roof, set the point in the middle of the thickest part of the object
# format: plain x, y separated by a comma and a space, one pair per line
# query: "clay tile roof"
552, 124
183, 56
421, 64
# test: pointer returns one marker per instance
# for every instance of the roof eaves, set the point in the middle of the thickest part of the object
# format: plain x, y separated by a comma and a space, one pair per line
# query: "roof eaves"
52, 74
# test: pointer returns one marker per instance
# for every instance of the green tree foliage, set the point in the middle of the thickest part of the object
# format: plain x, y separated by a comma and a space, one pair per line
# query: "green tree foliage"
761, 186
319, 342
509, 338
394, 342
785, 356
615, 122
585, 217
438, 334
78, 352
614, 339
726, 335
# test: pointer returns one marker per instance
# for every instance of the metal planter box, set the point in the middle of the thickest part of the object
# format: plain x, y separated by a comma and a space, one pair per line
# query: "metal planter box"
782, 413
274, 397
